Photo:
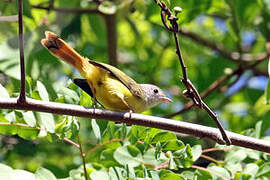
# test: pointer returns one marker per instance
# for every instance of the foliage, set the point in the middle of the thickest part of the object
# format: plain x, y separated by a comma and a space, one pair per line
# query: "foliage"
44, 145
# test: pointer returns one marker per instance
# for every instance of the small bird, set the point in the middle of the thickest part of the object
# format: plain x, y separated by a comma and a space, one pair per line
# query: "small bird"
112, 88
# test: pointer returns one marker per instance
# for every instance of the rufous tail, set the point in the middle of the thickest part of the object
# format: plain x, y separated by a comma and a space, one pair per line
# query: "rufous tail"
62, 50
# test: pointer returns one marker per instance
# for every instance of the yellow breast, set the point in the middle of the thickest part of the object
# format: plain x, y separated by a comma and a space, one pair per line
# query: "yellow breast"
106, 87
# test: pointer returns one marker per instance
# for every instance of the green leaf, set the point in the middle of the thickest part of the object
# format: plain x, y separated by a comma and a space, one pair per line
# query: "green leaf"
11, 117
235, 156
168, 175
196, 152
200, 174
27, 132
269, 63
173, 145
107, 7
29, 118
163, 136
46, 121
123, 156
251, 169
123, 133
85, 99
233, 167
149, 157
8, 129
115, 173
70, 96
6, 172
172, 164
267, 93
27, 9
130, 171
19, 174
102, 174
264, 170
42, 91
158, 150
154, 175
183, 158
96, 129
133, 150
9, 63
219, 171
258, 129
3, 92
44, 174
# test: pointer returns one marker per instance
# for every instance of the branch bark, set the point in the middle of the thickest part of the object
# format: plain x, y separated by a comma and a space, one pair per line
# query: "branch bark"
110, 21
68, 10
136, 119
22, 66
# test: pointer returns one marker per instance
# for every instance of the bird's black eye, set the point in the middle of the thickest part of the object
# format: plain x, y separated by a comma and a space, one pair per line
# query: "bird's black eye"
155, 91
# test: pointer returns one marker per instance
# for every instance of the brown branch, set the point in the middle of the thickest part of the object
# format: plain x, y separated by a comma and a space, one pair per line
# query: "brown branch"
20, 17
83, 158
138, 119
68, 10
190, 92
110, 21
13, 18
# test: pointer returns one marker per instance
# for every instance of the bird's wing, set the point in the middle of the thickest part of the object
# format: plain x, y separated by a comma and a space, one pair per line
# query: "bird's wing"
83, 84
134, 88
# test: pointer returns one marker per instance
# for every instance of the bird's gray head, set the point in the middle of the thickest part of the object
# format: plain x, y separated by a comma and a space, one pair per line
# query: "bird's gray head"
154, 95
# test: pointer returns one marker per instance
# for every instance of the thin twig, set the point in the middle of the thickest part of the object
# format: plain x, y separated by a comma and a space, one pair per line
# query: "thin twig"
191, 91
110, 21
219, 125
83, 158
68, 10
210, 159
138, 119
13, 18
22, 90
210, 171
100, 145
216, 149
38, 128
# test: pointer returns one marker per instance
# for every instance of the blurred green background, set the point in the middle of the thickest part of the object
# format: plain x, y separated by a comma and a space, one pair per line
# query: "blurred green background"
146, 52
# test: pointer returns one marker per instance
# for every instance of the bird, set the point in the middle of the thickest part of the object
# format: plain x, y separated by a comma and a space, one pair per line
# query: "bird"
106, 84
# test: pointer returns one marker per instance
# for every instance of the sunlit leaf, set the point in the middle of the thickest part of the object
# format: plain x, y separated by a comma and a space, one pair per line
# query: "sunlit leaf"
196, 152
123, 156
96, 129
107, 7
44, 174
3, 92
102, 174
29, 118
219, 171
42, 91
46, 121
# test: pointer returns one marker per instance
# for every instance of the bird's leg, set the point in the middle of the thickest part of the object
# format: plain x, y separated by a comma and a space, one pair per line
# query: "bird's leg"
121, 97
94, 97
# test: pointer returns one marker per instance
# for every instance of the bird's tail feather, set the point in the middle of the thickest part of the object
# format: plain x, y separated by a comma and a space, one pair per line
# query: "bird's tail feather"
62, 50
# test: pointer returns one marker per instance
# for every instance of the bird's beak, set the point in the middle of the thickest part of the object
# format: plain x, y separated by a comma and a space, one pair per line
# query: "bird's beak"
166, 99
